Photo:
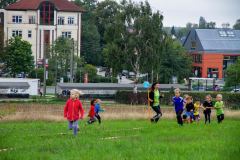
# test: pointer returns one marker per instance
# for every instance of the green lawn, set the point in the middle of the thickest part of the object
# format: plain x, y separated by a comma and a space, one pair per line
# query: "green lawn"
120, 139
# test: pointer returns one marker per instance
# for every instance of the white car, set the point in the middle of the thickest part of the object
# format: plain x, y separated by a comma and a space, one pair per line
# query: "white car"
236, 90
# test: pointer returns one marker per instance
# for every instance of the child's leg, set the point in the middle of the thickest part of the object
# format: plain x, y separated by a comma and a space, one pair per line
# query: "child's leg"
91, 120
98, 117
70, 125
179, 117
209, 117
156, 117
222, 117
75, 127
219, 118
206, 118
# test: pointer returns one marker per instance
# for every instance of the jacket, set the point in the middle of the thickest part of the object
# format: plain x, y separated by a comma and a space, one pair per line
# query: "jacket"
73, 110
151, 96
91, 113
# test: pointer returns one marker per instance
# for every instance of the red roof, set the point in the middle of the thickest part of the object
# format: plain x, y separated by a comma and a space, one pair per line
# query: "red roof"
60, 5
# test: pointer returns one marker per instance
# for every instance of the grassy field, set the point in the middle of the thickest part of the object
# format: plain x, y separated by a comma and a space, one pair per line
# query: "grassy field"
120, 139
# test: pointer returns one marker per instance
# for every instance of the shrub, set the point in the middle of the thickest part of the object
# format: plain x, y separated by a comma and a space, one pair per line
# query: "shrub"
231, 100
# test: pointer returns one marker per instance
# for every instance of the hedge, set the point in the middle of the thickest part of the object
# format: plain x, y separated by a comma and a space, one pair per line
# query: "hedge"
231, 100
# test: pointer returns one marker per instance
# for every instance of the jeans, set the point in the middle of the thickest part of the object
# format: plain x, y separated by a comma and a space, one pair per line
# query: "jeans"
73, 125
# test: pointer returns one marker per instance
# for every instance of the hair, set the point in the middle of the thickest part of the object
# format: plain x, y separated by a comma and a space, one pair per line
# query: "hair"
177, 90
197, 102
153, 85
209, 96
75, 91
219, 95
93, 101
189, 97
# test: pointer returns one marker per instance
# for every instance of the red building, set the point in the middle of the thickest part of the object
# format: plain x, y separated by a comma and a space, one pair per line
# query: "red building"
212, 50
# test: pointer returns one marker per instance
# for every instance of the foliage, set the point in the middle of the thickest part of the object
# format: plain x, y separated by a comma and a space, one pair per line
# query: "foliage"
90, 40
233, 74
4, 3
203, 24
18, 56
237, 25
231, 100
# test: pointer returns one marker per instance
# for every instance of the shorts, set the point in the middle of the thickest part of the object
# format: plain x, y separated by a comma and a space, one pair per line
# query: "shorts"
189, 114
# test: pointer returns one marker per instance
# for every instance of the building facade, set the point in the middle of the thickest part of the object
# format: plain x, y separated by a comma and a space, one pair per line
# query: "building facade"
212, 51
41, 22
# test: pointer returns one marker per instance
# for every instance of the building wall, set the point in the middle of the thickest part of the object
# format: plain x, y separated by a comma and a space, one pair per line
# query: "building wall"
37, 39
210, 60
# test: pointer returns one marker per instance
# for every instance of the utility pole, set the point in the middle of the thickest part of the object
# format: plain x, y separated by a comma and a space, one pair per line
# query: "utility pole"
71, 63
44, 71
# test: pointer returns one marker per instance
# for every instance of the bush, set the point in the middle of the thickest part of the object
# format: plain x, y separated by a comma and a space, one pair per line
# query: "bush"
232, 100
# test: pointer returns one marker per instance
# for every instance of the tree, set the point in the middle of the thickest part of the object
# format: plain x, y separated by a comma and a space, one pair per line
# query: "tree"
18, 56
90, 40
202, 23
134, 39
174, 61
4, 3
59, 57
233, 74
237, 25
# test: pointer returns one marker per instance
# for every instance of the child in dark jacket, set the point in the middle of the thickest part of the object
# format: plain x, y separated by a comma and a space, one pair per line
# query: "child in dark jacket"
73, 110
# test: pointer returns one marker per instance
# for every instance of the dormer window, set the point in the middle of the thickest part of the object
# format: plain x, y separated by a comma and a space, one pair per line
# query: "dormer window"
193, 45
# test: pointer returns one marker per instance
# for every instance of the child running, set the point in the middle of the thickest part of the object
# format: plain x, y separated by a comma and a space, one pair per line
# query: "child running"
178, 104
208, 105
98, 109
189, 109
72, 109
197, 106
219, 108
91, 113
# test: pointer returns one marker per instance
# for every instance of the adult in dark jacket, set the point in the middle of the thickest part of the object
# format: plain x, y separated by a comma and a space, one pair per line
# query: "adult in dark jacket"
154, 99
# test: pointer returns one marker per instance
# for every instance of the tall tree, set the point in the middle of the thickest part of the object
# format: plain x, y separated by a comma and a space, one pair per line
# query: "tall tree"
90, 40
202, 23
134, 38
237, 25
18, 56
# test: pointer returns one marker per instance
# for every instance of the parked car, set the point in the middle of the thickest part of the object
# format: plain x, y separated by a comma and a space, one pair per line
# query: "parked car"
236, 90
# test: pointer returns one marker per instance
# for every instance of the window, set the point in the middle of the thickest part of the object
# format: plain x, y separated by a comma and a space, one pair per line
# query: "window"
66, 34
70, 20
60, 20
193, 45
17, 19
223, 34
230, 34
29, 34
17, 33
31, 20
47, 13
197, 58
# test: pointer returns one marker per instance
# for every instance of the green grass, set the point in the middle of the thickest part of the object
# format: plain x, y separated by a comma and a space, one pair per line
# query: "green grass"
132, 140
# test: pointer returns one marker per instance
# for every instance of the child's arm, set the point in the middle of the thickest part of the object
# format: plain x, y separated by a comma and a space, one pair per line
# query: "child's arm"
66, 110
81, 110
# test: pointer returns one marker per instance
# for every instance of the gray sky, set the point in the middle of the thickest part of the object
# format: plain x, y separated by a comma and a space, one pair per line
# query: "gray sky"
179, 12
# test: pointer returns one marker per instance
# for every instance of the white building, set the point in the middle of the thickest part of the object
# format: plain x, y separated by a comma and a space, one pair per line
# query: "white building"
41, 22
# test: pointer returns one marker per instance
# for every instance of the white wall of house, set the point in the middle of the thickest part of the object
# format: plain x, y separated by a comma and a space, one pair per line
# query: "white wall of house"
37, 30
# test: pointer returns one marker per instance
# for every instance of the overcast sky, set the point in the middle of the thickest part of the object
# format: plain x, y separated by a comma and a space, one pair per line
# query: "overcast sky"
179, 12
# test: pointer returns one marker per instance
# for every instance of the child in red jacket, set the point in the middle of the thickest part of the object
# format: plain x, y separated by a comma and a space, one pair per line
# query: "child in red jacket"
92, 113
73, 110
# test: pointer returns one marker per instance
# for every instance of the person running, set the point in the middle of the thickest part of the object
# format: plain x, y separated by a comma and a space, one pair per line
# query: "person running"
208, 105
219, 108
154, 98
73, 110
178, 104
189, 109
98, 109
